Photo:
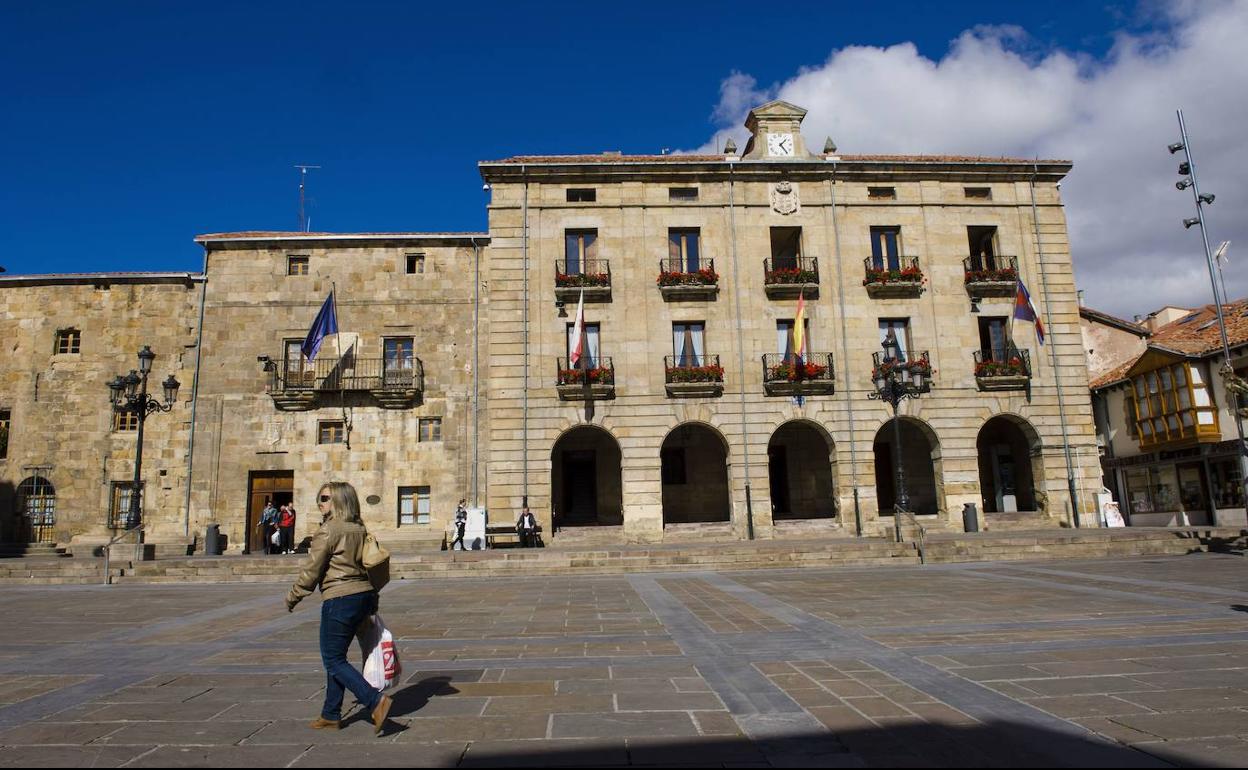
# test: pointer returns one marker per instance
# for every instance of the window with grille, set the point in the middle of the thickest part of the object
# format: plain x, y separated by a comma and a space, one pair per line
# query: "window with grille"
881, 192
981, 193
682, 193
331, 432
119, 508
430, 428
414, 505
296, 265
68, 341
125, 421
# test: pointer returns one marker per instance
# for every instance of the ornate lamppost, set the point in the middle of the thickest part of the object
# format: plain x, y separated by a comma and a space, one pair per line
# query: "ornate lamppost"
129, 396
896, 380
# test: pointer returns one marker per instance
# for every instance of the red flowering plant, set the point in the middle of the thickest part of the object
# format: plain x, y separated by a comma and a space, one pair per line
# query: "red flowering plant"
789, 370
575, 280
1002, 275
790, 275
599, 375
703, 277
709, 373
878, 275
1011, 367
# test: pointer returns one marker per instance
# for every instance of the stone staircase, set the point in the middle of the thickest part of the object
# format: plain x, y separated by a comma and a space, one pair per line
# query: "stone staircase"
32, 551
669, 557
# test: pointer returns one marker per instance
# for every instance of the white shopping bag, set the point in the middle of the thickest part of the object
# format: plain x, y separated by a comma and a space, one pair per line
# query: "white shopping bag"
381, 658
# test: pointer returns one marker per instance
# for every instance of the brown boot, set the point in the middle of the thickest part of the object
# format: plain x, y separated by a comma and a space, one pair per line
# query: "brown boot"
379, 713
320, 723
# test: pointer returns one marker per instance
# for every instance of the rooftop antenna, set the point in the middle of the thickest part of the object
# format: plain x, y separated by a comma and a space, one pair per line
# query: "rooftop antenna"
304, 222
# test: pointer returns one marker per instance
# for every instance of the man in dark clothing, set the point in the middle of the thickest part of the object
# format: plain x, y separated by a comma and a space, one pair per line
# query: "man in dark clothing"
527, 527
461, 525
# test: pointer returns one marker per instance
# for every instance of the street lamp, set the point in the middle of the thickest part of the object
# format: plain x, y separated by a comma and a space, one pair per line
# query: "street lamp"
128, 395
895, 380
1187, 170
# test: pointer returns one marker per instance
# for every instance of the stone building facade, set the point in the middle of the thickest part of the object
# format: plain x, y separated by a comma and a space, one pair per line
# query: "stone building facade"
688, 416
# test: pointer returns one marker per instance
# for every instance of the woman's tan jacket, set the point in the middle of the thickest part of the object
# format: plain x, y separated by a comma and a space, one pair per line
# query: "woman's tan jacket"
335, 562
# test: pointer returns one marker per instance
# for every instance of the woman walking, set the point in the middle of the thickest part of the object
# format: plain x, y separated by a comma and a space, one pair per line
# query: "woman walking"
335, 563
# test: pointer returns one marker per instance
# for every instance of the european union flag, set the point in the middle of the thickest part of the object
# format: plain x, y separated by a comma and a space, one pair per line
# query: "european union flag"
326, 323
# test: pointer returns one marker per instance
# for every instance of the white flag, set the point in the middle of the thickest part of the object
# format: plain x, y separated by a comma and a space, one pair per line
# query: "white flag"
578, 332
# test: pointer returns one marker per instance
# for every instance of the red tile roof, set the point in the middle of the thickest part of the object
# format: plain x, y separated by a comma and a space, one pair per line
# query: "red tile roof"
1196, 334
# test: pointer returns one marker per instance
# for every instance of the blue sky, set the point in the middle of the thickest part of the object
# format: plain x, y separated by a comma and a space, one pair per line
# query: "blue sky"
130, 127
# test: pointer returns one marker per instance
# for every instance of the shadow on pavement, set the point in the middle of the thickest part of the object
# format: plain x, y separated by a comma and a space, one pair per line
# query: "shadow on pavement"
999, 744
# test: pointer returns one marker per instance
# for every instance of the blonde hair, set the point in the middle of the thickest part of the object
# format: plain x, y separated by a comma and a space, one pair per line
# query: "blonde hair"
344, 501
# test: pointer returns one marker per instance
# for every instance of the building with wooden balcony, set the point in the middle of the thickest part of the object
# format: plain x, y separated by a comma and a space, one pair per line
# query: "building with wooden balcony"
692, 414
1167, 410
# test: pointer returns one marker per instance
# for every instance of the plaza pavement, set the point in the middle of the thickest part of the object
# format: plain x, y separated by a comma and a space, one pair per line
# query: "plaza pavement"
1130, 662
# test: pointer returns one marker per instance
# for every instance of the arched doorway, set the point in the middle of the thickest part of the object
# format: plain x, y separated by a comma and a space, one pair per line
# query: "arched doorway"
920, 458
36, 511
801, 466
695, 476
1007, 447
586, 484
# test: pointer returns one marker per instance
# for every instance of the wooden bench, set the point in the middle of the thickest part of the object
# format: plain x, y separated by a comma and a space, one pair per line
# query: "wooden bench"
508, 533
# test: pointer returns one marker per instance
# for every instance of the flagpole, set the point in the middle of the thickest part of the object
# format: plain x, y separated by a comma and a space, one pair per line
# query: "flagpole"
342, 390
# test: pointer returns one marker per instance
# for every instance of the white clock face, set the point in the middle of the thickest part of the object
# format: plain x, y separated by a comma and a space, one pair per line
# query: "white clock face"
780, 144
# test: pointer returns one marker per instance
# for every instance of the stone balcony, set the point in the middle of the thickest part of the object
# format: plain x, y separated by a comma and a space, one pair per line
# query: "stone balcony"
991, 276
892, 277
693, 377
678, 280
1005, 369
592, 380
593, 276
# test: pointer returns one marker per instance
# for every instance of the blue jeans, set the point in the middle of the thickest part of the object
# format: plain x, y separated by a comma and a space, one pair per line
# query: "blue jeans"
340, 617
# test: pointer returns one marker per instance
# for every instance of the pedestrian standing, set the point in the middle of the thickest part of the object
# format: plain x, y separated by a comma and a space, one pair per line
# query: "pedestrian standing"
268, 525
336, 564
461, 525
286, 521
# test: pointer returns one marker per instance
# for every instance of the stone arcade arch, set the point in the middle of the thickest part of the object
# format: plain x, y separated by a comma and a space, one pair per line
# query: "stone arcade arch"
586, 481
801, 467
694, 459
920, 457
1010, 462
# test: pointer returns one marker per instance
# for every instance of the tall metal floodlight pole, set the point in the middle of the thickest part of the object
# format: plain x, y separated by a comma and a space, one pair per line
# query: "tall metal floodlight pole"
1187, 169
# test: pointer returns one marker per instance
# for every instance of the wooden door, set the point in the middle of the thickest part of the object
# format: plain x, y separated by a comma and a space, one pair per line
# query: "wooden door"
278, 486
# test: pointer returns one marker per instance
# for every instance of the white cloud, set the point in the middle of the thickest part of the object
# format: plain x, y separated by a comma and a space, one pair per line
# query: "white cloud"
990, 95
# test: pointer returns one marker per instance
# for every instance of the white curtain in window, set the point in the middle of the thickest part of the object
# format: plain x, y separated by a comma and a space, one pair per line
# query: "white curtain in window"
900, 329
591, 342
784, 338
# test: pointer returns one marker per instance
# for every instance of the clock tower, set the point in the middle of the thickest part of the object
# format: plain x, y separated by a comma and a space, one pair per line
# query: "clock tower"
776, 134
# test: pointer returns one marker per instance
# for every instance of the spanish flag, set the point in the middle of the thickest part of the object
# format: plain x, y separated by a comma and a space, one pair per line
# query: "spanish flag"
799, 332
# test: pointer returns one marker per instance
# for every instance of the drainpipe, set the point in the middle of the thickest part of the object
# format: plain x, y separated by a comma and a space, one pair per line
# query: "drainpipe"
199, 354
1057, 379
525, 432
849, 394
736, 287
476, 369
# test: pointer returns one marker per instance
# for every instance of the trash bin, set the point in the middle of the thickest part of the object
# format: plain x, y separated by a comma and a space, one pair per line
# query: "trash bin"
212, 540
970, 518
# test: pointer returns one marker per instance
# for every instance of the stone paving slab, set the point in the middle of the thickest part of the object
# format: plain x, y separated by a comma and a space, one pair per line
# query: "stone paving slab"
1134, 662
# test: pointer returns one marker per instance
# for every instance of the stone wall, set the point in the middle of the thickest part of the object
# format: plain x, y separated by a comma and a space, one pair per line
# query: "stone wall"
62, 427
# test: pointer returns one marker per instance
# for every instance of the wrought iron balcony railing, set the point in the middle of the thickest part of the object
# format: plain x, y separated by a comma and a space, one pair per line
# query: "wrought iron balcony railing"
675, 271
702, 368
787, 277
784, 375
892, 276
587, 273
350, 373
991, 276
600, 371
1006, 361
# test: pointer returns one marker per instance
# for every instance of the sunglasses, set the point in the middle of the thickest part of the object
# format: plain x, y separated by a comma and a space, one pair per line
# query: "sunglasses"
324, 498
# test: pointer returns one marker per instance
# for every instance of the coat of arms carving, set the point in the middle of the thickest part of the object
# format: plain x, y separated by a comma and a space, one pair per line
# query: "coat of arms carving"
784, 198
